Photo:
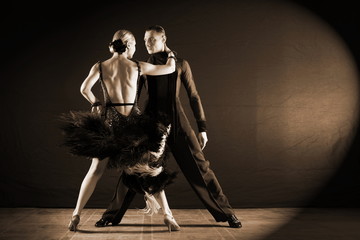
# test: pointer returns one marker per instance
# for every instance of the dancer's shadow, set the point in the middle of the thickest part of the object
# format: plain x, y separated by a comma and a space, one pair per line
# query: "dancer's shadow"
138, 225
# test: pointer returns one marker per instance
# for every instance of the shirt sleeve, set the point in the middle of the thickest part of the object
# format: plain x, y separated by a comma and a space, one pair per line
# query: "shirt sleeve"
194, 98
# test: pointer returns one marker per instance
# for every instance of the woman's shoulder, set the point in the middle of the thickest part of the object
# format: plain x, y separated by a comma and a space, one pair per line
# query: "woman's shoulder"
137, 64
135, 61
96, 66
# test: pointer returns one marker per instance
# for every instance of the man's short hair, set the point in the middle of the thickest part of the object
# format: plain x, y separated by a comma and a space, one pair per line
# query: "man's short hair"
156, 28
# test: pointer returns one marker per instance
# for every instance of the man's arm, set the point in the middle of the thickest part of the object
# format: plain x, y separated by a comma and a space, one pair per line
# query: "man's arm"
195, 101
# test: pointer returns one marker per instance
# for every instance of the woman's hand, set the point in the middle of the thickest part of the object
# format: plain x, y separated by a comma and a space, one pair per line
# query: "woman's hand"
96, 109
167, 49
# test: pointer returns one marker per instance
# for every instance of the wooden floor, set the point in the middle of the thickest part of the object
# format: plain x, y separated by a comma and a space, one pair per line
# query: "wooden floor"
268, 223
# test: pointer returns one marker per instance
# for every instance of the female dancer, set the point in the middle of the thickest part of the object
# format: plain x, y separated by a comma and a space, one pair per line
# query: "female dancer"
117, 135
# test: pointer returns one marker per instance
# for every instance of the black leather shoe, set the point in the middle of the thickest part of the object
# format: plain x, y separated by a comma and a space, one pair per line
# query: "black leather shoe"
104, 222
234, 222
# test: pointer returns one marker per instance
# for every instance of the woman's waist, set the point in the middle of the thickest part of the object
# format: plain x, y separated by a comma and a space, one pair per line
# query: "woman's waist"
121, 112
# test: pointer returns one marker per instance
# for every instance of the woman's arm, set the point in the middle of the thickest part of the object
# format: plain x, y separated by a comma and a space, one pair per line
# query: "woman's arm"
151, 69
88, 83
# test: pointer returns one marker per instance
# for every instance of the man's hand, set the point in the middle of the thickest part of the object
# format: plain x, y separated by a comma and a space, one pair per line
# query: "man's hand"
202, 138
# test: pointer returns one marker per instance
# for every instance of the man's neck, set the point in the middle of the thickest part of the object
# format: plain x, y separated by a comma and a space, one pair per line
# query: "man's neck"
158, 58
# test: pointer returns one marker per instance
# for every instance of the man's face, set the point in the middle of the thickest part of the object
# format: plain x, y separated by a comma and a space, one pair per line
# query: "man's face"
154, 42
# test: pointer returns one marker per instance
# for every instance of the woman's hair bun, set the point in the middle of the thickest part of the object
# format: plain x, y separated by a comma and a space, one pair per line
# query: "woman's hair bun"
118, 46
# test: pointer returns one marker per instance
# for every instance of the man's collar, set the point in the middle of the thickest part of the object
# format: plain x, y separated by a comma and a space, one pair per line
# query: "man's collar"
159, 55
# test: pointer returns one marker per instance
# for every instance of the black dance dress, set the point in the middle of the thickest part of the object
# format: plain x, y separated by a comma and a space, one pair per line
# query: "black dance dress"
135, 143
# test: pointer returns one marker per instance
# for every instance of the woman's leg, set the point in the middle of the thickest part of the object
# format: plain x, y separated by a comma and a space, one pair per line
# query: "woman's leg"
88, 185
161, 199
169, 220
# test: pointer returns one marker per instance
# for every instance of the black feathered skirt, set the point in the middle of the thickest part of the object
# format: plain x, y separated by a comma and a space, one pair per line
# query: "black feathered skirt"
135, 143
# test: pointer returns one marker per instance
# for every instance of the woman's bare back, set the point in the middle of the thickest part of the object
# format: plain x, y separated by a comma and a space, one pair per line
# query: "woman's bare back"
120, 78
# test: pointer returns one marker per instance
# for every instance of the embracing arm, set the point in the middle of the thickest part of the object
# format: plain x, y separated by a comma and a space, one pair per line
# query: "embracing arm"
88, 83
151, 69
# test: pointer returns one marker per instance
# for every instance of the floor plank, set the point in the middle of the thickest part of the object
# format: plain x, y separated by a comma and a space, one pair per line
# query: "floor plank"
265, 223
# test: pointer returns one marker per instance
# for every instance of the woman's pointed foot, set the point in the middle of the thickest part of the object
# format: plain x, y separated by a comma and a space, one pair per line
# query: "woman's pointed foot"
171, 223
74, 222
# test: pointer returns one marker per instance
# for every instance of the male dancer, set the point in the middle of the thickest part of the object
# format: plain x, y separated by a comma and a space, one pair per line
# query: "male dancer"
163, 96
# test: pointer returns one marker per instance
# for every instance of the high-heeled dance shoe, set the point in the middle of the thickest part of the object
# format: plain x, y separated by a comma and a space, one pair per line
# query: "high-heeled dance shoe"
74, 222
171, 223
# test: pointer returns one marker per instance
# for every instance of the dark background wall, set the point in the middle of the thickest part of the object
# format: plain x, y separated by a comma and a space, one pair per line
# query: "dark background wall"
278, 80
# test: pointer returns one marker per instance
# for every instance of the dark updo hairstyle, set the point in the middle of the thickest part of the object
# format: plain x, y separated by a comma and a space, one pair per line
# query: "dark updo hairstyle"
120, 40
118, 46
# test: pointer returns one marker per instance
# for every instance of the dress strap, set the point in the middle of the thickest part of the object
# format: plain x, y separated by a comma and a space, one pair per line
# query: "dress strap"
100, 70
103, 86
138, 79
139, 70
104, 90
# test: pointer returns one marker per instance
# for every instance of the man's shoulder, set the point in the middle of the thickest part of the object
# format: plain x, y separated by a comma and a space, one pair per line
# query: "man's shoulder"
179, 59
182, 62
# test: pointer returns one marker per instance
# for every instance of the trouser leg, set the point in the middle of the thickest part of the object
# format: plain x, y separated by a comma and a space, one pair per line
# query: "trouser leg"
190, 158
120, 202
